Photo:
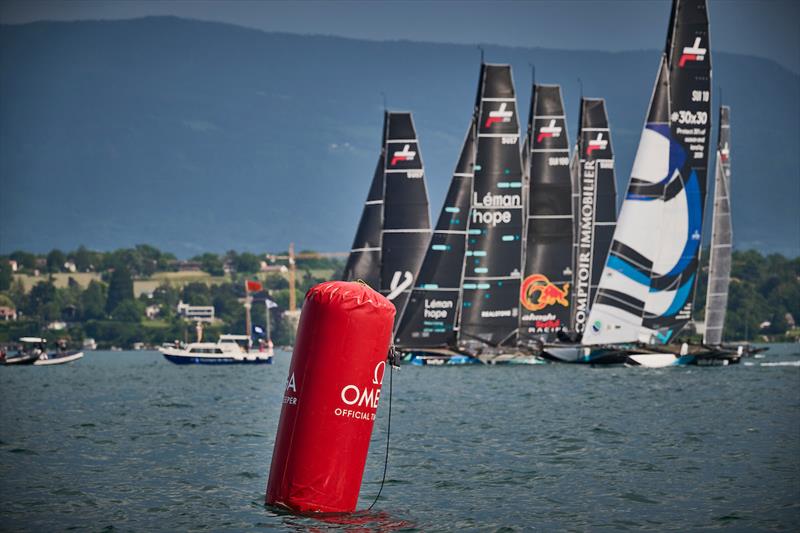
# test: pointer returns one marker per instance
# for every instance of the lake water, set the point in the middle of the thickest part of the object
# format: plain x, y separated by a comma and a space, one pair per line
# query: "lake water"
129, 441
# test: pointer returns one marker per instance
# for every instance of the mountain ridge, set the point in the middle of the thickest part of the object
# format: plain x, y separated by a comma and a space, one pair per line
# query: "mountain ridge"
165, 119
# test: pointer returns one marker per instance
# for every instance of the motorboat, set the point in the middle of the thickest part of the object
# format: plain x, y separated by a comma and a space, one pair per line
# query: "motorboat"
229, 349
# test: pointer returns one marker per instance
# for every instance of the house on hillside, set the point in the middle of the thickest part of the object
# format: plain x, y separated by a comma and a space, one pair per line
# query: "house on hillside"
7, 313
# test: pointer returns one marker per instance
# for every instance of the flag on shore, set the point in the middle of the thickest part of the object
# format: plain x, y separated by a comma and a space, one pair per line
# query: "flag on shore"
253, 286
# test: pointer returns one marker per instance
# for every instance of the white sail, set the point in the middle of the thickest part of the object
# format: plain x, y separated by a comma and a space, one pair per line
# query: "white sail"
719, 267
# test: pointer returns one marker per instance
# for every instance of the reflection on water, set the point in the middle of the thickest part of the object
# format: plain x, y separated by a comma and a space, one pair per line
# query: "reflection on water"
128, 441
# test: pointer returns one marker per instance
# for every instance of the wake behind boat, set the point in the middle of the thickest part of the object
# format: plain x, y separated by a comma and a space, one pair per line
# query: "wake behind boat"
229, 349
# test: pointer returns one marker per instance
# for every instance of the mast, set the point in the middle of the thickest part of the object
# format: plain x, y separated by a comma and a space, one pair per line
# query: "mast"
430, 319
719, 266
492, 260
547, 279
646, 290
595, 205
406, 221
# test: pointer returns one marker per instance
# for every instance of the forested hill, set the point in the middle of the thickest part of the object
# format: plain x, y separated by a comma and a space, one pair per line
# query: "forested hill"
198, 136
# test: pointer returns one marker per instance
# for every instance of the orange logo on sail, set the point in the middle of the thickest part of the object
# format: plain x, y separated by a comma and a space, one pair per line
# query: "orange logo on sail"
537, 292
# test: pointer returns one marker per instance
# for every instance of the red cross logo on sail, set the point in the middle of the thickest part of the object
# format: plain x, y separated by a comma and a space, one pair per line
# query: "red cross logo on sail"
551, 130
501, 115
596, 144
724, 153
692, 53
403, 155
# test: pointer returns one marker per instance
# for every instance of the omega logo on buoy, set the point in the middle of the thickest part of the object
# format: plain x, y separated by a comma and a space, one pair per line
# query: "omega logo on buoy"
353, 395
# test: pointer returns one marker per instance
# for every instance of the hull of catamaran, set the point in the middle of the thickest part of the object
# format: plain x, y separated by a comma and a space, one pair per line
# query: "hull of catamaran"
587, 355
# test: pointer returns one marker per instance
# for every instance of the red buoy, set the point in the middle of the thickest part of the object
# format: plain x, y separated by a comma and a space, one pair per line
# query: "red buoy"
331, 398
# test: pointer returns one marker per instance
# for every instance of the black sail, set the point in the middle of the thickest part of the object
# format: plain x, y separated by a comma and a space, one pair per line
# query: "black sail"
406, 220
547, 280
491, 283
595, 204
688, 56
365, 255
430, 319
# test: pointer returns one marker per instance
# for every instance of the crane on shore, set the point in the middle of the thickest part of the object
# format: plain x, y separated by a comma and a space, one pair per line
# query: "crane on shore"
292, 258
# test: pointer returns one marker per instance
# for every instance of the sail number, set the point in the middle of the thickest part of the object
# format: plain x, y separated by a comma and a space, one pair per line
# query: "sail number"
700, 96
687, 117
510, 139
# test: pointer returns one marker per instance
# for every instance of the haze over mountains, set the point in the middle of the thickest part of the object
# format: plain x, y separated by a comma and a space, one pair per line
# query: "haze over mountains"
196, 136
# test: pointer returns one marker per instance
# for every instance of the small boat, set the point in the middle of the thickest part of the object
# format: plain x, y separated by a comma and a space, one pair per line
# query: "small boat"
28, 351
33, 351
229, 349
57, 358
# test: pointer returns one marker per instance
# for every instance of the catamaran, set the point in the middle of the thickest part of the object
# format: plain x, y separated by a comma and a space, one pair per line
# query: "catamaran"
474, 316
395, 228
646, 290
594, 199
547, 284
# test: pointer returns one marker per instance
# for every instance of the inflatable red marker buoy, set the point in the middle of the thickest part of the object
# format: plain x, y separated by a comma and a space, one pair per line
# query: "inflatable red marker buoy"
331, 398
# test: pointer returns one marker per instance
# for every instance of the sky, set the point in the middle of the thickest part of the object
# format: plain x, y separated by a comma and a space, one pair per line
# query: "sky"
763, 28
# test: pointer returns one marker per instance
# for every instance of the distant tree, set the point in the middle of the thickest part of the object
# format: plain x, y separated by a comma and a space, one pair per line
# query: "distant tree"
56, 260
6, 301
93, 301
166, 295
196, 293
276, 282
6, 276
120, 288
25, 260
42, 294
82, 259
247, 263
128, 311
210, 263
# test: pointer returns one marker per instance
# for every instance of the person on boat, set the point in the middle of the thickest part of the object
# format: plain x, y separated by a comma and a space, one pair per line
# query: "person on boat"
62, 345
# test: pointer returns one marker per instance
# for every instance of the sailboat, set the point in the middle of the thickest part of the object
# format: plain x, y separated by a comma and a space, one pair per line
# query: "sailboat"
719, 266
394, 229
479, 319
594, 204
545, 293
646, 290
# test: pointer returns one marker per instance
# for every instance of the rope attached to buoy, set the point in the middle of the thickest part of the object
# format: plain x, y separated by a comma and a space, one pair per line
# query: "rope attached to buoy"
392, 359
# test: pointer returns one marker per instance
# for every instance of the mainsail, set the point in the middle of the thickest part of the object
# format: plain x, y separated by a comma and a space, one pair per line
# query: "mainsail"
545, 290
595, 205
491, 275
364, 260
647, 286
719, 267
404, 219
431, 315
